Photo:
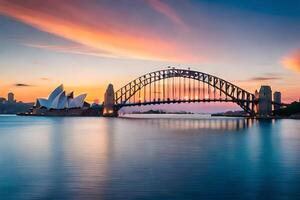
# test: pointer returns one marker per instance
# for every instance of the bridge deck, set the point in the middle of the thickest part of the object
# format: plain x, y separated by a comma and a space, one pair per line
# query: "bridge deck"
179, 101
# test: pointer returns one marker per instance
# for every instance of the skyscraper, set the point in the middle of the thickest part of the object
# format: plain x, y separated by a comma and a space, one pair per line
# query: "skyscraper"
265, 101
10, 97
277, 100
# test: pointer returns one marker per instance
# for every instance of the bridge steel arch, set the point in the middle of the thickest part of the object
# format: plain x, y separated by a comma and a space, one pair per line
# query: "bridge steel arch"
232, 93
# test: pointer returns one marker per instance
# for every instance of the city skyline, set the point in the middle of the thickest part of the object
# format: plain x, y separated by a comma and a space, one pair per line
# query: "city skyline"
88, 46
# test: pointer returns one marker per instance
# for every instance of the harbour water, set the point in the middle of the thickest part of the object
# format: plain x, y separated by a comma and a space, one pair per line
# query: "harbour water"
148, 157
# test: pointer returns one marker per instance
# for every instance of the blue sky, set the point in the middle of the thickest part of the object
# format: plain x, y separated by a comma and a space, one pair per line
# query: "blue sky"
88, 44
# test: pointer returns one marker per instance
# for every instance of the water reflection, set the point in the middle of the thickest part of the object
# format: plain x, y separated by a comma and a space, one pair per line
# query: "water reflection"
79, 161
56, 158
107, 158
222, 124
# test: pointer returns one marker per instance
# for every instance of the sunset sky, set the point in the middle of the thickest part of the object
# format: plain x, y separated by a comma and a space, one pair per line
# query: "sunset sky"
87, 44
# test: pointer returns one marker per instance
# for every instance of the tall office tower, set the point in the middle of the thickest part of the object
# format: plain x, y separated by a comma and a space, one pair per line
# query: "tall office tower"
10, 97
277, 100
265, 101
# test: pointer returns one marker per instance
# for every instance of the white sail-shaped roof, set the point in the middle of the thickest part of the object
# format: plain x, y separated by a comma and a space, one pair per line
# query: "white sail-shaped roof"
78, 101
55, 93
59, 100
57, 103
42, 103
62, 103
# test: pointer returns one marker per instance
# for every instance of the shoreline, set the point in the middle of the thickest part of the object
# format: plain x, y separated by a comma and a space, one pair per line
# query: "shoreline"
271, 117
162, 114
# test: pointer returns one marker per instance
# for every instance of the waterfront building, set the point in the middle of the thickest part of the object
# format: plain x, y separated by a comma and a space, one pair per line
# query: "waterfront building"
10, 97
60, 103
265, 101
59, 100
277, 100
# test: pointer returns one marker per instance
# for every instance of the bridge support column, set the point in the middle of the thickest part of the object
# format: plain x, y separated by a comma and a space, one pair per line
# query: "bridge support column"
109, 109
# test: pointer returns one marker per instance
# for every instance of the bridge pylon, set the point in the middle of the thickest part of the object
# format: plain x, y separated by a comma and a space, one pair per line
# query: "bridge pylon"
109, 108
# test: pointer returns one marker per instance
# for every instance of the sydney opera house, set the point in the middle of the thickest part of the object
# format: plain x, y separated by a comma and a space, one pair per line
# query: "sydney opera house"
61, 103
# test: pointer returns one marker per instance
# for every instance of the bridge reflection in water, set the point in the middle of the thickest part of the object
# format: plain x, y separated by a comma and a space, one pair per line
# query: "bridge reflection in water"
224, 124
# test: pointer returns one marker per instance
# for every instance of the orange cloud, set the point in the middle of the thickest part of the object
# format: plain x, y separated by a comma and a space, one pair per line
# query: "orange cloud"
166, 10
292, 61
97, 27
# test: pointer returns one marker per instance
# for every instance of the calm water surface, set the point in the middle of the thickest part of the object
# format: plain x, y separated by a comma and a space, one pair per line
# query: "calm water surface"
136, 158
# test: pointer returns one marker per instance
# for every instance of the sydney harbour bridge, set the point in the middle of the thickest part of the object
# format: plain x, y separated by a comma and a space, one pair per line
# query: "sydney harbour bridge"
172, 85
